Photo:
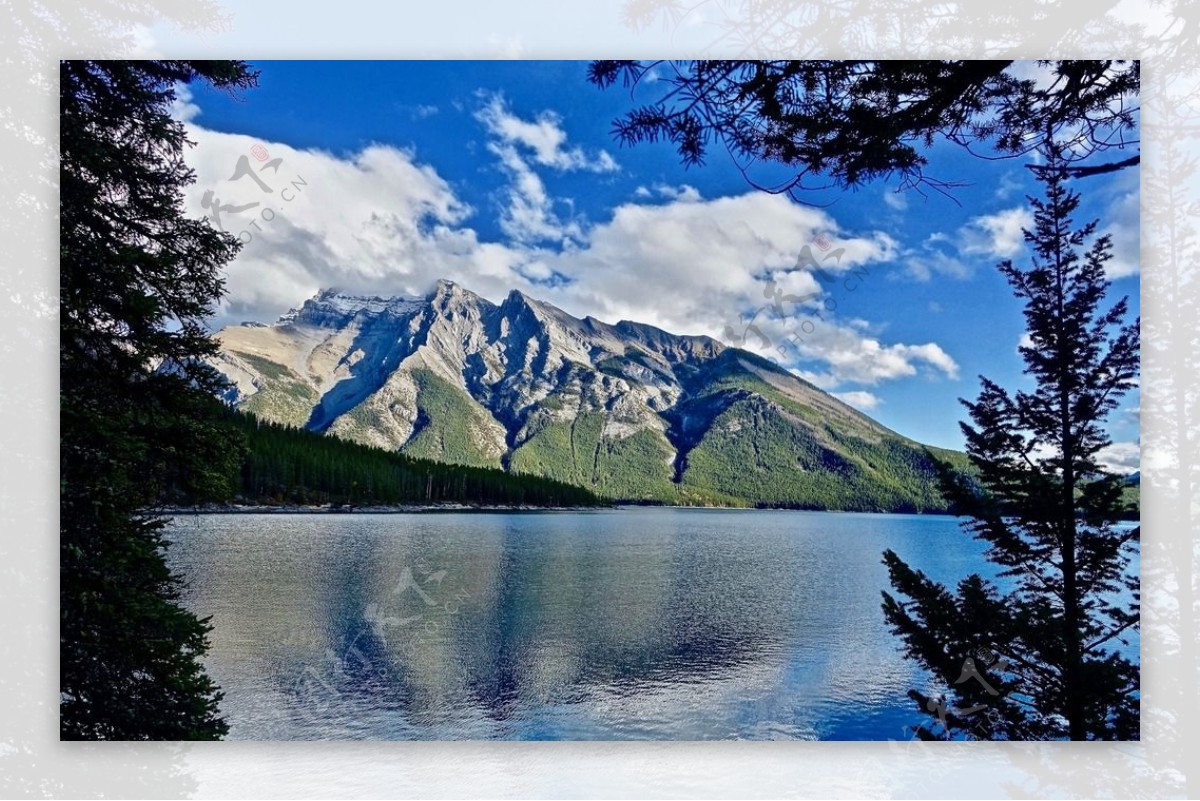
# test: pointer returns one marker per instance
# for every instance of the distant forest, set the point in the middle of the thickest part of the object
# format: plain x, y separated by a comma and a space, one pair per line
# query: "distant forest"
284, 465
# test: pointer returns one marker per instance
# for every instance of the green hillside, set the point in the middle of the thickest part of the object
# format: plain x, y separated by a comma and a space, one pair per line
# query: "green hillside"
448, 425
739, 440
285, 397
286, 465
636, 467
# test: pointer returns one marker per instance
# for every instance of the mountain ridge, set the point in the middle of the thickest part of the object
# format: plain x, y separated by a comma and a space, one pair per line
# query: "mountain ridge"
627, 410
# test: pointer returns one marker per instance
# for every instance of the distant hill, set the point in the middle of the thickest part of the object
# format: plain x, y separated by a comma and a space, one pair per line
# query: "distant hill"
627, 411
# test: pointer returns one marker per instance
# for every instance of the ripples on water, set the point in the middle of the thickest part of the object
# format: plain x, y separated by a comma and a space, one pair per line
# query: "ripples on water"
643, 623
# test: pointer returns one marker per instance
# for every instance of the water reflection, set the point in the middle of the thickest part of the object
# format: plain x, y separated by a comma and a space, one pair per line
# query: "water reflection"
658, 623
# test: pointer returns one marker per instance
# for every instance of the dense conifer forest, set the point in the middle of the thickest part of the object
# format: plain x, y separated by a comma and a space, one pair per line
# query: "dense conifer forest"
285, 465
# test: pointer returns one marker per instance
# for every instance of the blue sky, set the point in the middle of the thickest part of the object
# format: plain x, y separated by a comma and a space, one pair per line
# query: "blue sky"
504, 174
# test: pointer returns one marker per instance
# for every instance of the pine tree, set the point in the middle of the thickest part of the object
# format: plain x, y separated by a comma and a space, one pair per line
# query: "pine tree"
849, 122
1033, 655
137, 279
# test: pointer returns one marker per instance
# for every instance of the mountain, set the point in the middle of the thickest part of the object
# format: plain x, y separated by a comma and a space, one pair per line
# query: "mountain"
627, 410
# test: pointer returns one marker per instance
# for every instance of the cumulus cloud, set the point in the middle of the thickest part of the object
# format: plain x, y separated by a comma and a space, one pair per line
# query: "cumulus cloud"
894, 200
845, 354
543, 137
308, 219
1124, 214
863, 401
684, 192
529, 216
183, 107
1122, 458
930, 261
520, 145
380, 222
695, 266
1000, 234
1007, 186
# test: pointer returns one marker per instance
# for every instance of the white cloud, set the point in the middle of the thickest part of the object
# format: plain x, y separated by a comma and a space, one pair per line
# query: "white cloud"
529, 216
863, 401
651, 75
1124, 215
930, 261
894, 200
820, 380
372, 222
519, 144
1000, 234
693, 266
183, 108
380, 222
543, 136
684, 192
1122, 458
1040, 452
422, 112
1007, 185
1042, 75
847, 355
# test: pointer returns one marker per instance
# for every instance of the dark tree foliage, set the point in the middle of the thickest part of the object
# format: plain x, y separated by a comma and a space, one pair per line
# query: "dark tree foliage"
290, 465
854, 121
137, 279
1042, 638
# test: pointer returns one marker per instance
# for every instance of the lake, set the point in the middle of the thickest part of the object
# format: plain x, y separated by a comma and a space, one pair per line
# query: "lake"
645, 623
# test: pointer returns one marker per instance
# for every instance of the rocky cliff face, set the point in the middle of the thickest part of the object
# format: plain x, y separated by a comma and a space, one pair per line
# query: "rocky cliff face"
628, 410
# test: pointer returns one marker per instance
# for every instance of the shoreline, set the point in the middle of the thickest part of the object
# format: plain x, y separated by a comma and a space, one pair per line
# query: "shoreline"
328, 509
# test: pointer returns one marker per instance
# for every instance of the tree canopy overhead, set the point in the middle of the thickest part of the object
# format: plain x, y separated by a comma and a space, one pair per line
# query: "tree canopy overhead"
848, 122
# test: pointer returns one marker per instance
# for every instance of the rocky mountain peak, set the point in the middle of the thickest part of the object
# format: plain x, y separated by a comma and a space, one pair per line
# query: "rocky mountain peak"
333, 308
444, 289
626, 409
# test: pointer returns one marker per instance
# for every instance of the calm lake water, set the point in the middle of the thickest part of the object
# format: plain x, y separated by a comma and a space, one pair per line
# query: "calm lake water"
615, 624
